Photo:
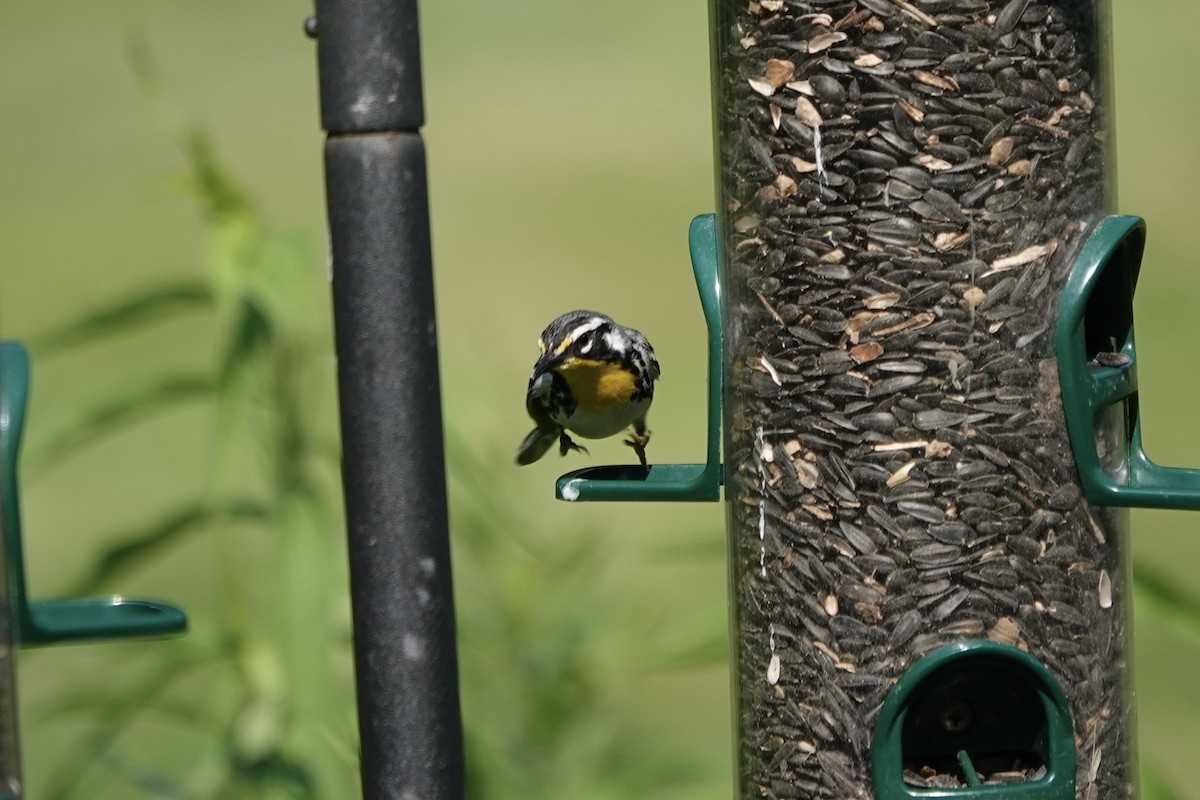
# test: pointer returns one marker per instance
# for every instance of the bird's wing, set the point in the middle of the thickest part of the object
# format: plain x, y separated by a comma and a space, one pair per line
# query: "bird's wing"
535, 445
537, 400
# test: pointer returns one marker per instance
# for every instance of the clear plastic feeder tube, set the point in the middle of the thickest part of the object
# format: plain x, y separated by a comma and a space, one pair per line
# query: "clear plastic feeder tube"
903, 187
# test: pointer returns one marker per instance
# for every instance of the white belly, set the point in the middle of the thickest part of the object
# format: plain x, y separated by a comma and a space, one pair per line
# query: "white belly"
599, 424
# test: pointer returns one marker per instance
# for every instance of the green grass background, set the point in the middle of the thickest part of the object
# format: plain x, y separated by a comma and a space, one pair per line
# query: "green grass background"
569, 145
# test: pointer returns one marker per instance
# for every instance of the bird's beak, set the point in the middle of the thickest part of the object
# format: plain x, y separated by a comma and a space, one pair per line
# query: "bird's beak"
547, 362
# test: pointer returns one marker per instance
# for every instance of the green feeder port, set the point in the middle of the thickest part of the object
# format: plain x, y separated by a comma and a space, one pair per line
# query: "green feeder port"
988, 713
1097, 364
55, 621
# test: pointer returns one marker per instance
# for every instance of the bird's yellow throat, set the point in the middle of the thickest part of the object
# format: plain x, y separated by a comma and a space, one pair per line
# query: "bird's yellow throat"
598, 384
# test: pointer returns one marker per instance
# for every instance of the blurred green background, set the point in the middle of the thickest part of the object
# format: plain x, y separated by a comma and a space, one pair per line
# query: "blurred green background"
569, 146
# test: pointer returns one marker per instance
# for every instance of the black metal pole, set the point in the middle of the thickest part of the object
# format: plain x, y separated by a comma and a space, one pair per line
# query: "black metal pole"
392, 449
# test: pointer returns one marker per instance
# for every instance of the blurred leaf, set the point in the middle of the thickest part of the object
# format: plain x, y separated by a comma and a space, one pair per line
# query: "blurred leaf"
140, 56
93, 701
99, 702
151, 781
134, 402
118, 710
134, 550
1155, 785
702, 640
222, 197
1159, 597
275, 775
123, 316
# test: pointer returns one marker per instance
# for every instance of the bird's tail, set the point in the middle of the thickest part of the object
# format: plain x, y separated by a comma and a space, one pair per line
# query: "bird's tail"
535, 445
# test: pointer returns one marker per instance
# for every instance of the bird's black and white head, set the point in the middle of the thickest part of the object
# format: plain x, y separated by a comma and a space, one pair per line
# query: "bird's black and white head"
592, 337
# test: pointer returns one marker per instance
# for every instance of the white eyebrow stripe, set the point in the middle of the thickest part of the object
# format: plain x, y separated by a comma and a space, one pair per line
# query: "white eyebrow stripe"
580, 330
590, 325
616, 340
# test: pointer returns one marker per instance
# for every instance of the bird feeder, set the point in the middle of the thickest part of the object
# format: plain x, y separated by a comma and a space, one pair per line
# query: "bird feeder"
930, 414
26, 622
930, 399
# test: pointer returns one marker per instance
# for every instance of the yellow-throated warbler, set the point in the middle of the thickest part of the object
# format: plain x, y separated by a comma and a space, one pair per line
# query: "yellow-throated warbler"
594, 378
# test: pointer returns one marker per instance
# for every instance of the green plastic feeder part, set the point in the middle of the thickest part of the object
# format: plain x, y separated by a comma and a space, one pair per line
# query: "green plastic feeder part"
53, 621
672, 481
1097, 367
975, 708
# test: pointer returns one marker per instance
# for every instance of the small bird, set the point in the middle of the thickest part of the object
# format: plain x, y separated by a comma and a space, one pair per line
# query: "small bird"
594, 378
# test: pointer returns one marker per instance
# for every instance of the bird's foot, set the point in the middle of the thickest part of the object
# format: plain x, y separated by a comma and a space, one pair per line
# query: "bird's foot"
566, 444
638, 442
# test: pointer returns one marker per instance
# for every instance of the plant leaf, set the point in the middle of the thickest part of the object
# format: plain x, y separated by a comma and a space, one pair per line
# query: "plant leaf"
126, 315
1155, 785
140, 546
132, 404
122, 708
1169, 599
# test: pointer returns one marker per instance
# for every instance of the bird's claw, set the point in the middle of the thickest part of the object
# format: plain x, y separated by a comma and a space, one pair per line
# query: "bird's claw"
638, 442
566, 444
